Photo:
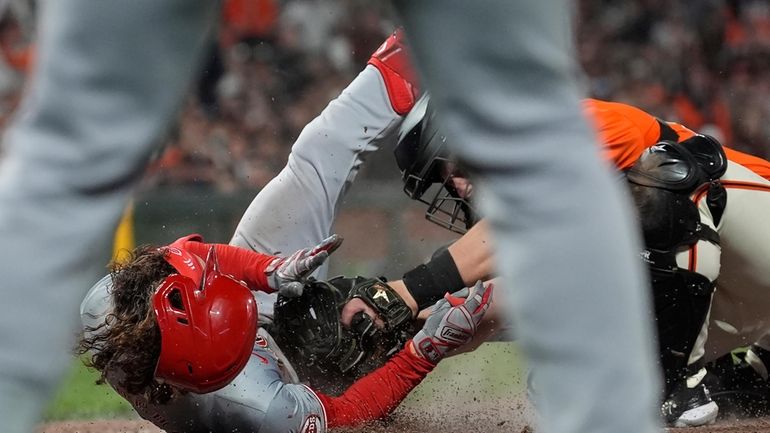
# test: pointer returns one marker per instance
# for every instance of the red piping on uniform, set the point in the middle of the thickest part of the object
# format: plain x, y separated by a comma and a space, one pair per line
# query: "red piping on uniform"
699, 194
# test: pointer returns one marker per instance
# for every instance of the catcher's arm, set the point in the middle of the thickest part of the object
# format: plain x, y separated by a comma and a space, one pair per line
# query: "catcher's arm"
472, 254
452, 323
467, 260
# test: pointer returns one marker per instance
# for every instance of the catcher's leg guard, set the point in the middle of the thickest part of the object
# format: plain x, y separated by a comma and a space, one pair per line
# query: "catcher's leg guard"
682, 300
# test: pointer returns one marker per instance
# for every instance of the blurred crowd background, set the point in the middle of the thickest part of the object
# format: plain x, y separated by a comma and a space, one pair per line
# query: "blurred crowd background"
276, 63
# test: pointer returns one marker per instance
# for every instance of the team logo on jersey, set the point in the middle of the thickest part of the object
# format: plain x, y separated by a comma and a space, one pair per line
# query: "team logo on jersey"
262, 350
312, 424
261, 342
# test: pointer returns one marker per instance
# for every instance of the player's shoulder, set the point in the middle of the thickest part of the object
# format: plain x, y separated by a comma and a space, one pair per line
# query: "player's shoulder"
609, 109
266, 369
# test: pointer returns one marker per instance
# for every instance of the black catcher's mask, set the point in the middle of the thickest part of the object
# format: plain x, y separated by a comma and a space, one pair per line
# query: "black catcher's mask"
424, 161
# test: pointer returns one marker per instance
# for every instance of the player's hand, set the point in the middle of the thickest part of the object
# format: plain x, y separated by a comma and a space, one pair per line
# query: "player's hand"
356, 306
452, 322
287, 275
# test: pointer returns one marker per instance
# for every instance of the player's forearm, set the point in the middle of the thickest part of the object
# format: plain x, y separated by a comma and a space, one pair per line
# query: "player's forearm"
402, 291
245, 265
472, 254
464, 262
378, 393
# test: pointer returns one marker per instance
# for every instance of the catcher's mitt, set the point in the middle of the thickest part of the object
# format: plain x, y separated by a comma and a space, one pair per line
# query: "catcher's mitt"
308, 330
380, 296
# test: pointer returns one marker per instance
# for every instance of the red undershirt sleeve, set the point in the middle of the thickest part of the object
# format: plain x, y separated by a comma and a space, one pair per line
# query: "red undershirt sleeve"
378, 393
246, 265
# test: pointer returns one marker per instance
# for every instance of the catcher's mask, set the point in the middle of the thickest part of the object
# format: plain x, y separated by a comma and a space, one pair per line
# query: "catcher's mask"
207, 321
423, 158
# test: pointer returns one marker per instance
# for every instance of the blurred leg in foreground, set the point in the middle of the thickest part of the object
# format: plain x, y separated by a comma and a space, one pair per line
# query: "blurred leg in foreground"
502, 73
109, 76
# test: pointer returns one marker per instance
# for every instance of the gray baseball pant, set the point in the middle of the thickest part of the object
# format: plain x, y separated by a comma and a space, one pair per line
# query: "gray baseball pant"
109, 76
502, 74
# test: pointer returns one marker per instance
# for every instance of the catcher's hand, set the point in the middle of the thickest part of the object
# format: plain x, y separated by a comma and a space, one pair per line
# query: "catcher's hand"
372, 302
452, 322
287, 275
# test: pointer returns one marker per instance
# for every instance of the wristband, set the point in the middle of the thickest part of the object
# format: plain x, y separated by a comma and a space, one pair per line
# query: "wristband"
429, 282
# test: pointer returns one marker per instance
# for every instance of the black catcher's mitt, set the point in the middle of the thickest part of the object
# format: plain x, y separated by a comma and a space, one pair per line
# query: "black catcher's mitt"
328, 355
381, 297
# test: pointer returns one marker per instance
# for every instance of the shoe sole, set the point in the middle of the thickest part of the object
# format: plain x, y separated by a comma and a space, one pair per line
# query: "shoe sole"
698, 416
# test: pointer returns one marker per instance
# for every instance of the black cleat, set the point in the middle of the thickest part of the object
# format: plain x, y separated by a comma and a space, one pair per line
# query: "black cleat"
689, 407
737, 387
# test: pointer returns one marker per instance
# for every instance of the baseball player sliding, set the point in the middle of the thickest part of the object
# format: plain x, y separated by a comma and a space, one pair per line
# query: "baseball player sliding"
178, 330
182, 343
387, 90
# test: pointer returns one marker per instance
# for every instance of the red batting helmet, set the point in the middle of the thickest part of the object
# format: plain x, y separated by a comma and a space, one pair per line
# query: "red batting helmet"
208, 324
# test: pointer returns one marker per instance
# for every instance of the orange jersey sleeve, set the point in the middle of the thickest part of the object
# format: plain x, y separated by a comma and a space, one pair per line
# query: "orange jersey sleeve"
626, 131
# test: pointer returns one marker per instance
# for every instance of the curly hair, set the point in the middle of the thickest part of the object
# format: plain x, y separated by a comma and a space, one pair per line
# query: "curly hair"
128, 341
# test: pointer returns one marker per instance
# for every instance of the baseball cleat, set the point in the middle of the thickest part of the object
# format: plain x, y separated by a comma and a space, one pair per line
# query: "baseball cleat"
690, 407
392, 60
737, 387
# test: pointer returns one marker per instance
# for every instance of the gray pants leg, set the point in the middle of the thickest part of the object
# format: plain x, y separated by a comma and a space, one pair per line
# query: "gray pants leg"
501, 73
110, 75
298, 207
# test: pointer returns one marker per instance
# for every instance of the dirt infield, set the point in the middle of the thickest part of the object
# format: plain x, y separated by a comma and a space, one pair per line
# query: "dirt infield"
751, 426
507, 415
483, 423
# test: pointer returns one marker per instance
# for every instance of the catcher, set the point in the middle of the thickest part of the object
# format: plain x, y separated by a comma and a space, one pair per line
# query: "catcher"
701, 204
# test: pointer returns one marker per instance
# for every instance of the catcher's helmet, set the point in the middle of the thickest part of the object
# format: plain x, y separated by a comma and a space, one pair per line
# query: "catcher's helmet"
423, 158
207, 321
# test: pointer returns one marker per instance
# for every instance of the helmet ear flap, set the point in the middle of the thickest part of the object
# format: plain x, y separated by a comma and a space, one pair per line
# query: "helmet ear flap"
173, 313
207, 329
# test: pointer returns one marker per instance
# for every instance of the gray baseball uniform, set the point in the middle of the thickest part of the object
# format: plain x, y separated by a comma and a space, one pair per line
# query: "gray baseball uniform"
297, 208
501, 72
265, 396
109, 76
294, 210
